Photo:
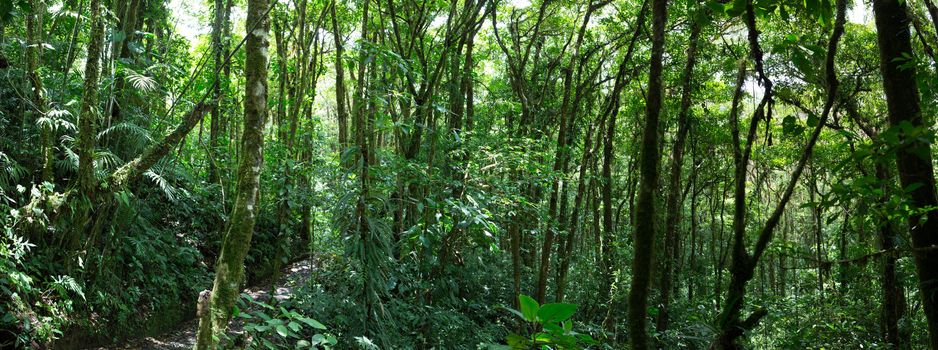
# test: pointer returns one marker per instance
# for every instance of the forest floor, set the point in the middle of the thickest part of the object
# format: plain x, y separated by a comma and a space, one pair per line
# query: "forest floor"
183, 336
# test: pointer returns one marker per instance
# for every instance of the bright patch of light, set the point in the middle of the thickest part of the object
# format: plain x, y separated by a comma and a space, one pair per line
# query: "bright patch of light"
186, 15
520, 4
859, 13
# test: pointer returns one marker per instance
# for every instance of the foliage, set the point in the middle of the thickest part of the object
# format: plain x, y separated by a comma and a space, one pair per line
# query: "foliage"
276, 327
481, 147
553, 323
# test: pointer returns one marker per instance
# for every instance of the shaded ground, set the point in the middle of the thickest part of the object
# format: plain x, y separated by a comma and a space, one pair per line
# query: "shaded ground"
183, 337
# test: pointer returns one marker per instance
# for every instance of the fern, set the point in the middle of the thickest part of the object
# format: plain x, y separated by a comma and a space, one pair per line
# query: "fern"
65, 283
106, 160
59, 121
132, 132
168, 189
70, 162
141, 82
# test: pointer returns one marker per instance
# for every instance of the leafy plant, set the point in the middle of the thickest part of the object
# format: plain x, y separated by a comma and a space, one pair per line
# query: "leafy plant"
276, 327
553, 327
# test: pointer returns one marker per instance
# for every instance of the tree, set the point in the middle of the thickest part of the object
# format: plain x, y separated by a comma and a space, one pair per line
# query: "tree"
34, 26
673, 205
229, 270
743, 263
88, 117
913, 156
340, 91
645, 229
220, 46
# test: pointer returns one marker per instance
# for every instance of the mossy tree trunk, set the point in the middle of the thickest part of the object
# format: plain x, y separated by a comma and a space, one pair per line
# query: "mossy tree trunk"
229, 270
913, 156
88, 116
34, 29
673, 203
219, 51
645, 212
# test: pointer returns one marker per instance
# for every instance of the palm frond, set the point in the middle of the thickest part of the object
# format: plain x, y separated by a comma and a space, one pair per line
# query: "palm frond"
139, 135
141, 82
168, 189
106, 160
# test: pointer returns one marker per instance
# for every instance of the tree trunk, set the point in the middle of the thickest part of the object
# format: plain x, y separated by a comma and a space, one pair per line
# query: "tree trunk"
34, 28
340, 90
893, 295
913, 158
742, 268
229, 270
645, 212
219, 51
570, 238
673, 205
88, 116
127, 25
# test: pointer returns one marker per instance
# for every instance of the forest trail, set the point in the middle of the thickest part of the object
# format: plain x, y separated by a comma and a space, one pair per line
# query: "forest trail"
183, 336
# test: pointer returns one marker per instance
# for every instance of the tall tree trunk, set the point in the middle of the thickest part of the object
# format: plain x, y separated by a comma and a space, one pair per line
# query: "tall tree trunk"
608, 229
913, 158
645, 207
88, 116
34, 28
932, 12
607, 125
340, 90
893, 294
817, 216
570, 238
219, 51
229, 270
692, 263
673, 205
127, 25
894, 302
561, 153
360, 124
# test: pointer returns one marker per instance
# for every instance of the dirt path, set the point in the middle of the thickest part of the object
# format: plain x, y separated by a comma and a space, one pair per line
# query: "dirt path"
183, 337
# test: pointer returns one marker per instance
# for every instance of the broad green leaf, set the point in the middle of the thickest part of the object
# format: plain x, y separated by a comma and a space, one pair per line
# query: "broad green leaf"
282, 330
555, 312
312, 323
529, 307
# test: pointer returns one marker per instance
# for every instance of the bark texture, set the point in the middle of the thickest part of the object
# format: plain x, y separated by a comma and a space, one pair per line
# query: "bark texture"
645, 212
913, 156
88, 116
229, 270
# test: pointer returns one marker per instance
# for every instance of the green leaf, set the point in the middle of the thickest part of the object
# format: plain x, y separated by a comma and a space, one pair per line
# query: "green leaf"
282, 330
529, 307
517, 342
802, 63
312, 323
813, 7
813, 120
516, 312
556, 312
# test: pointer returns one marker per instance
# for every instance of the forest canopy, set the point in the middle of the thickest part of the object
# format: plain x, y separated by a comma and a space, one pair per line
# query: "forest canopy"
468, 174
